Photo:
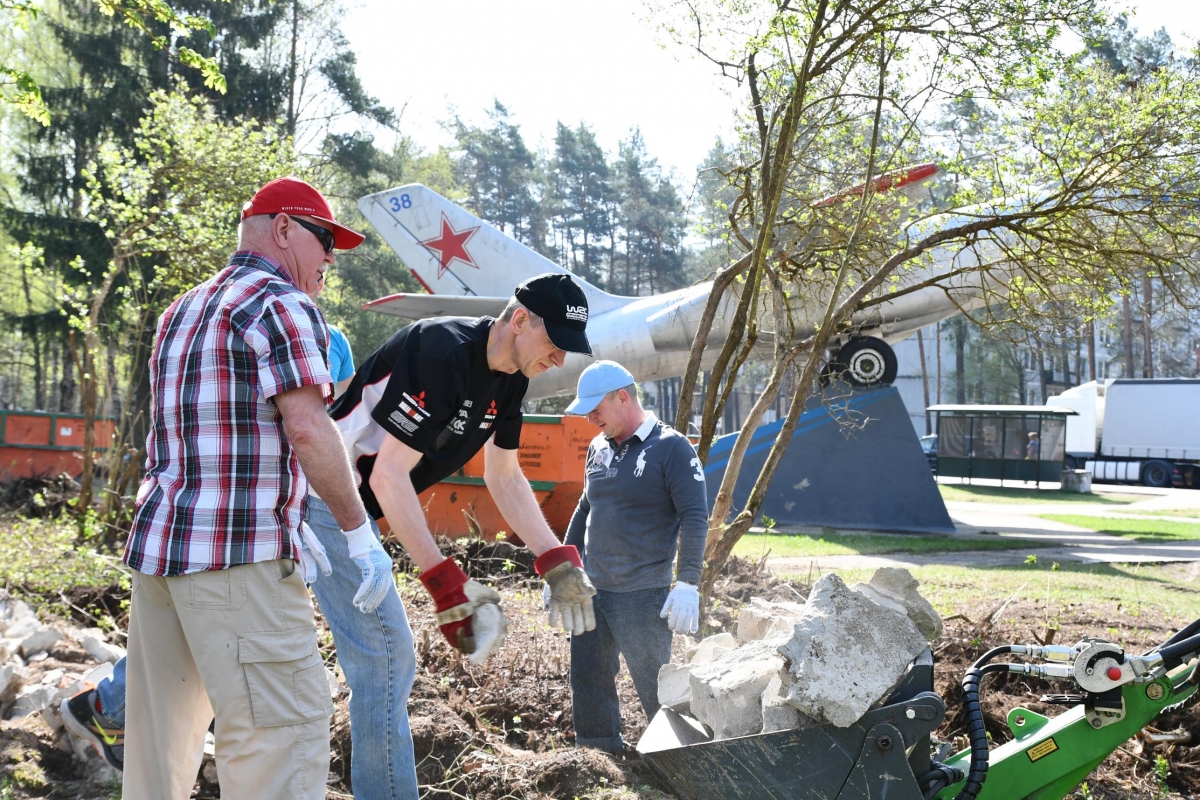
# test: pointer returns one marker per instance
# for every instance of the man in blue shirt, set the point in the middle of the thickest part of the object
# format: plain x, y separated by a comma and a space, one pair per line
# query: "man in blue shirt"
643, 501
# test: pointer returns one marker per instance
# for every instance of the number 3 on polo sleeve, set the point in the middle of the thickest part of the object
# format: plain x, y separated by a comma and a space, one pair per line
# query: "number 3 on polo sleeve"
699, 469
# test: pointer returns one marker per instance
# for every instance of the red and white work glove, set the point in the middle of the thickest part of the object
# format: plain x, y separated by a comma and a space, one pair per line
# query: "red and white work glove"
468, 613
570, 601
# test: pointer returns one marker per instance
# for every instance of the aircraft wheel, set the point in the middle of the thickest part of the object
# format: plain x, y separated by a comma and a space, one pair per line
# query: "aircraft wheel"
1157, 474
864, 363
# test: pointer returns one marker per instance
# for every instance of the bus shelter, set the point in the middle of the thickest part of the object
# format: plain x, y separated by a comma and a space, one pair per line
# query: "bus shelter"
1023, 443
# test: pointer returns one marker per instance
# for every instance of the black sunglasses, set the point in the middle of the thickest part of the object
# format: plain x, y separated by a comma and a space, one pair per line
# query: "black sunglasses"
323, 234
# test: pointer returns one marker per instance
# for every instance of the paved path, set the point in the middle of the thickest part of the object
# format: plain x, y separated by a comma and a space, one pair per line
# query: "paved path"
1056, 541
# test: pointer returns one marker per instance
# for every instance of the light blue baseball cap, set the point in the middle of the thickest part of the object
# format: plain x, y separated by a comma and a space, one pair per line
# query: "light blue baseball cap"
596, 381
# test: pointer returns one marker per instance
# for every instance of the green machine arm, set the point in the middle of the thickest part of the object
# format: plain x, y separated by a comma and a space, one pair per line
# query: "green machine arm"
1047, 758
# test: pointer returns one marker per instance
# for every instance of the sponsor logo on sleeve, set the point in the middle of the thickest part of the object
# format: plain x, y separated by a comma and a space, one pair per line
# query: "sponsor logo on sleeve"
458, 426
489, 416
414, 407
404, 423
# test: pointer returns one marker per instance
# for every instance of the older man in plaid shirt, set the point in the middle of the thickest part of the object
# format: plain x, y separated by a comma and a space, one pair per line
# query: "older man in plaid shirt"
221, 621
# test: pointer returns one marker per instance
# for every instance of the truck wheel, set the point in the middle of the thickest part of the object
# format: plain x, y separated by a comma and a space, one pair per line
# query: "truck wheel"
1157, 474
865, 362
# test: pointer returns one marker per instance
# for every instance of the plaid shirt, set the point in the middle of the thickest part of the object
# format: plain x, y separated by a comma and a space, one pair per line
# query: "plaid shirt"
222, 486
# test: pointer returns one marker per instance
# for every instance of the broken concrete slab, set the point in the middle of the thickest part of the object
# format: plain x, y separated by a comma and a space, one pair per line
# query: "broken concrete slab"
22, 628
898, 584
11, 681
709, 647
846, 653
674, 686
32, 701
12, 609
762, 619
727, 692
101, 650
777, 714
39, 641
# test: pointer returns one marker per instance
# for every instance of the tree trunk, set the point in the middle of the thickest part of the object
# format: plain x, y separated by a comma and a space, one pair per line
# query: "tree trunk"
292, 101
938, 330
924, 380
1090, 334
1147, 326
1041, 362
960, 366
1127, 335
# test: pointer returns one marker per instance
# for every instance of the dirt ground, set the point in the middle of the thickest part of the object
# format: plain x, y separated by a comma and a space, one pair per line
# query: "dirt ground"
504, 729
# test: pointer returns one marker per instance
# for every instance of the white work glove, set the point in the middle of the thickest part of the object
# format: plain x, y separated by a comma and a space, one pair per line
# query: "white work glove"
682, 609
368, 555
488, 624
310, 554
545, 597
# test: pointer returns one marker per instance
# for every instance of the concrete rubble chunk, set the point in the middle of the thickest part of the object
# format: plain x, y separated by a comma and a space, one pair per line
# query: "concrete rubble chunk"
847, 652
708, 647
762, 619
674, 686
32, 701
11, 682
101, 650
727, 692
40, 640
777, 714
12, 609
22, 628
898, 585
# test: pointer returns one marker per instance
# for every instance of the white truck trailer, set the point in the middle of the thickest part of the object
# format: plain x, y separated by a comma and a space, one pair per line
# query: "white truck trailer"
1135, 431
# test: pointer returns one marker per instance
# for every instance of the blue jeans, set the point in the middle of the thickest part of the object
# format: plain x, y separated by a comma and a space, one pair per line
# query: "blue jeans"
111, 692
627, 623
376, 653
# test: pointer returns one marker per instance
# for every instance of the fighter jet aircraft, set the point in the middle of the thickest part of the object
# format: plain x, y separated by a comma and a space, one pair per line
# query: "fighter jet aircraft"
470, 268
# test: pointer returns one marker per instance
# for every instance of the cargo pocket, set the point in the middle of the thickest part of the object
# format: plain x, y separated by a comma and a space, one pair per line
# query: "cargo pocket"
286, 677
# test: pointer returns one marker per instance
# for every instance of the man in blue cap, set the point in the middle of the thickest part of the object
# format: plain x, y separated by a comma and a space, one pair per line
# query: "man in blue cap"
643, 501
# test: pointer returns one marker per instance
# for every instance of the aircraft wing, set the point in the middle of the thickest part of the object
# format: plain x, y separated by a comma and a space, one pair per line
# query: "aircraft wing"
420, 306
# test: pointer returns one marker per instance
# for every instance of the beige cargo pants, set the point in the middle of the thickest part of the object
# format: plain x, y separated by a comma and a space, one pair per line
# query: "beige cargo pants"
239, 643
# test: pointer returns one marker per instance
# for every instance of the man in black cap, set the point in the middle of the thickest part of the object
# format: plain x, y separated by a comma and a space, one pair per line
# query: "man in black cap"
415, 412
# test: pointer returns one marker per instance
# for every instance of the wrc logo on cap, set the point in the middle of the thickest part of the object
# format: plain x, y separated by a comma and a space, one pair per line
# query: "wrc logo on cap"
577, 313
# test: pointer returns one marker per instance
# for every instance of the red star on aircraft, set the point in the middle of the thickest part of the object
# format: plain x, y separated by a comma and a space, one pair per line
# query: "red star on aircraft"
451, 245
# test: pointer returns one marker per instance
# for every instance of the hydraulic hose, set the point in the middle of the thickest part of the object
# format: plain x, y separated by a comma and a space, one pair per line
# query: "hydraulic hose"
937, 779
1173, 654
1183, 633
976, 732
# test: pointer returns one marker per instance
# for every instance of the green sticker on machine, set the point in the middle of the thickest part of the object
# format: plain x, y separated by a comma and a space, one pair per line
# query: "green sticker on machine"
1041, 749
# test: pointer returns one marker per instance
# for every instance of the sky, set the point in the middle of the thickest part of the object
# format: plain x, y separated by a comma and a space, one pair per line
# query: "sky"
599, 62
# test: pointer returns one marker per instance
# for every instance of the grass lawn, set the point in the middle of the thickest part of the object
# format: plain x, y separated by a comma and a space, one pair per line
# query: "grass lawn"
964, 493
1159, 592
1174, 512
1140, 530
829, 543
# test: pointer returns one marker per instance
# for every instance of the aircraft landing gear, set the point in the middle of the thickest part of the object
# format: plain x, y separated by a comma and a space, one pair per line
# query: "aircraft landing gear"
864, 362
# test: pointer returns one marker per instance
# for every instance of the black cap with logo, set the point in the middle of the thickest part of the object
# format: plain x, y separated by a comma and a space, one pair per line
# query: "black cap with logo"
561, 304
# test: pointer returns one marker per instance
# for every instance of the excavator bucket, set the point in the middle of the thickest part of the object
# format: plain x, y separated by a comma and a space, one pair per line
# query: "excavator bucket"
879, 756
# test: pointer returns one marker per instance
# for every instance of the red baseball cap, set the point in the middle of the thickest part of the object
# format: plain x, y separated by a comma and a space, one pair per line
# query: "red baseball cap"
294, 196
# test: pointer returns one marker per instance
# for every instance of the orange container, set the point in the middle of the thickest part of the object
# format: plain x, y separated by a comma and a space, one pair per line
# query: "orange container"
40, 444
552, 454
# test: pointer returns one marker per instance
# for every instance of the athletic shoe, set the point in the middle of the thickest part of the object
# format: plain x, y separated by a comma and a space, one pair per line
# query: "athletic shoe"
80, 716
